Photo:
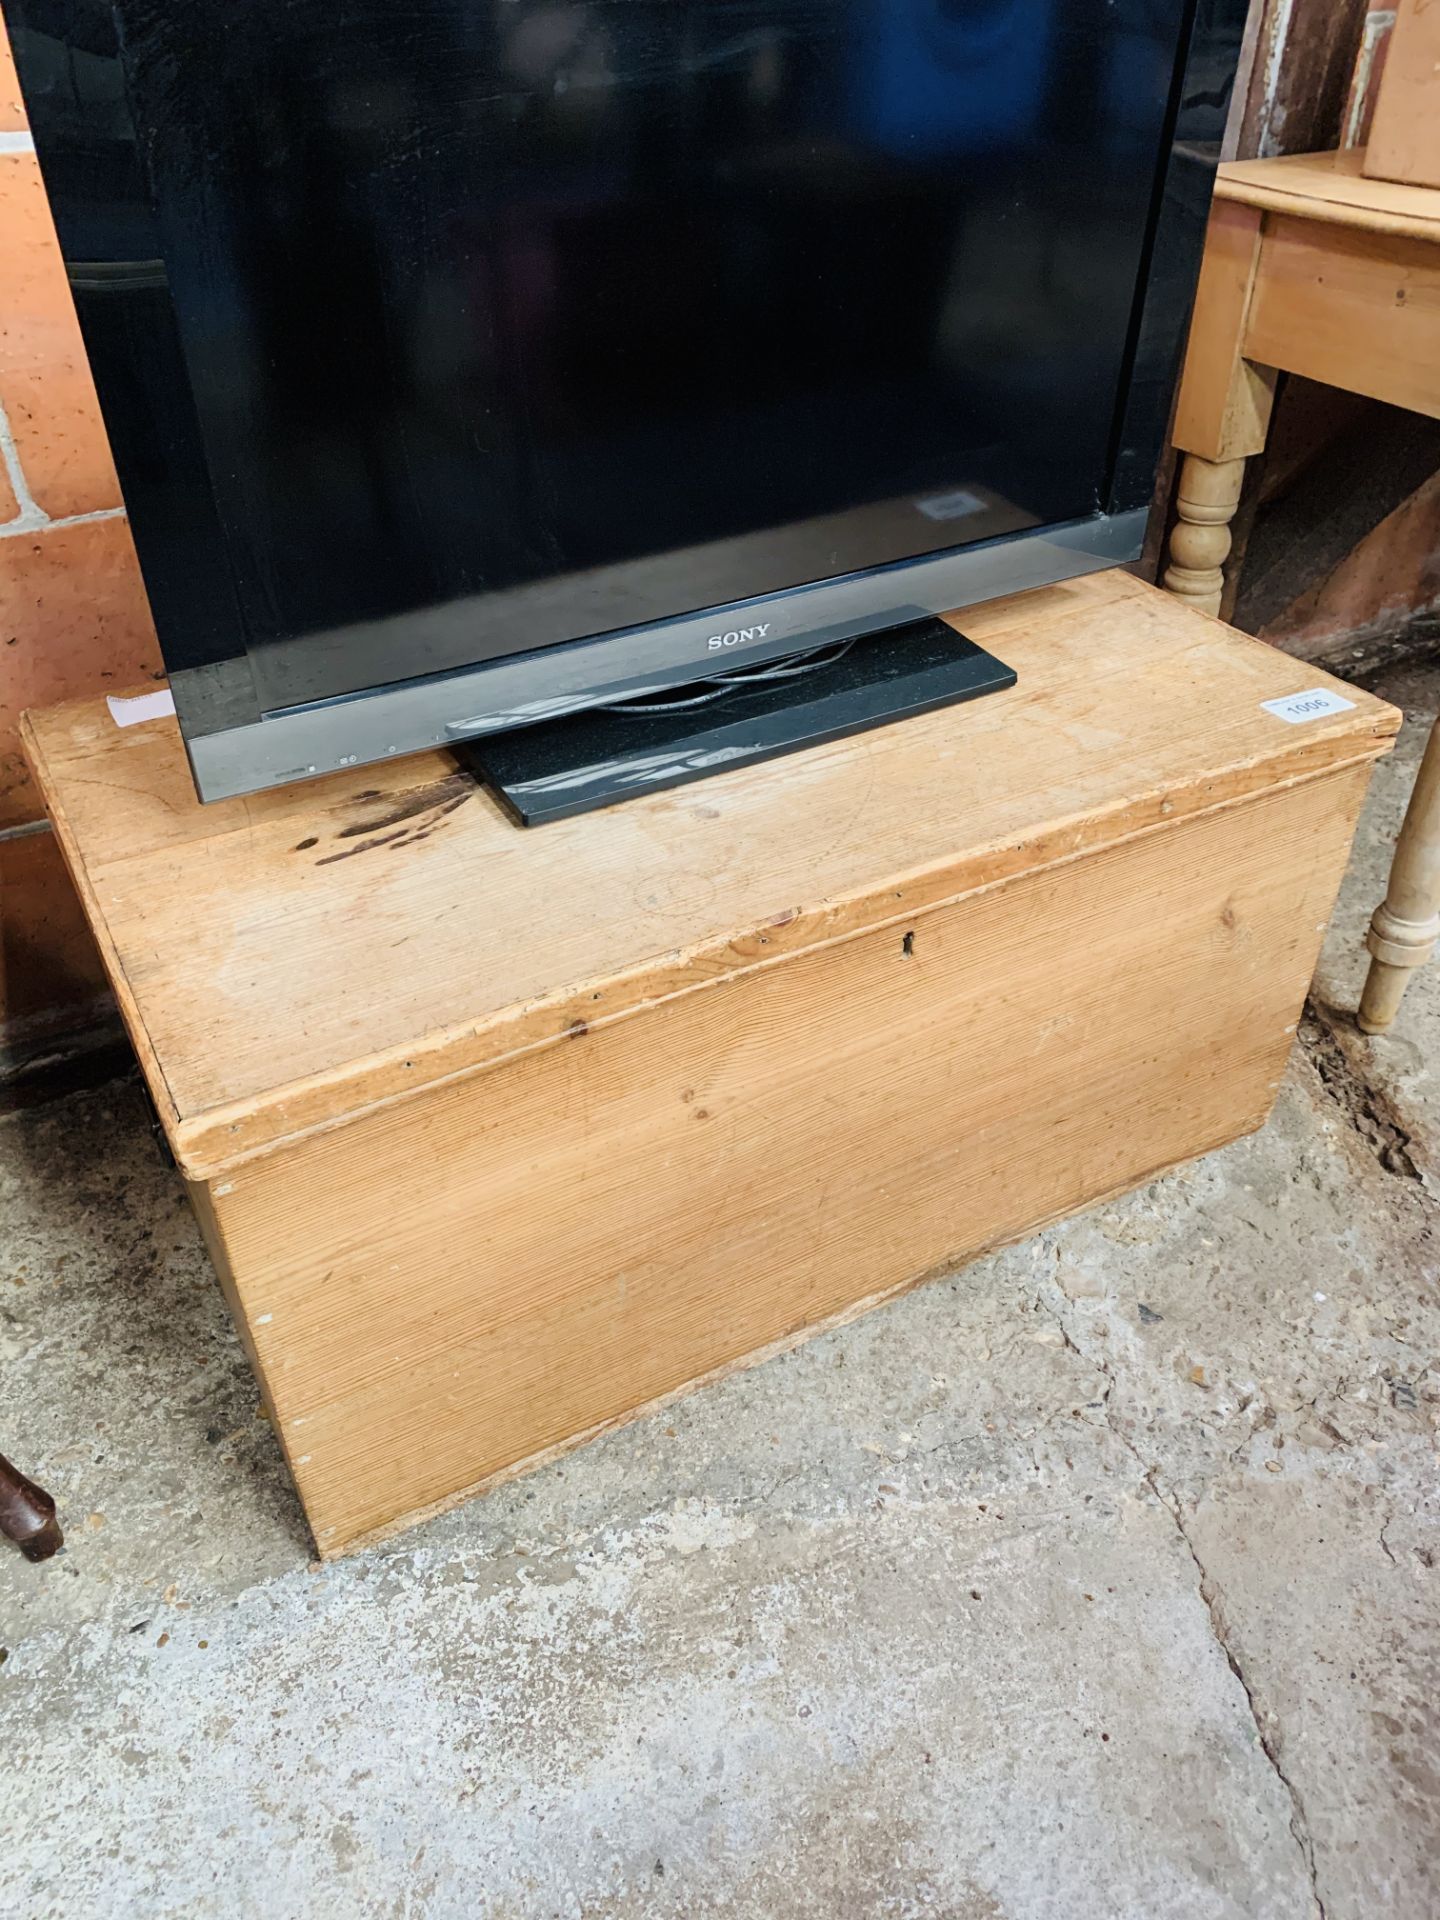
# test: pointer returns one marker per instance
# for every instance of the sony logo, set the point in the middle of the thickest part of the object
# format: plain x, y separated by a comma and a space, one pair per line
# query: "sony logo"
737, 637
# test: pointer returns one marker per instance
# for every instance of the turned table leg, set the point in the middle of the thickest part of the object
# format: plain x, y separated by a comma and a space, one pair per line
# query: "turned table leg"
27, 1514
1407, 922
1205, 502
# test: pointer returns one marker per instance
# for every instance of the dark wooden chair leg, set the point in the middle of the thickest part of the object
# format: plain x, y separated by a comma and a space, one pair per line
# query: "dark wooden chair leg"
27, 1514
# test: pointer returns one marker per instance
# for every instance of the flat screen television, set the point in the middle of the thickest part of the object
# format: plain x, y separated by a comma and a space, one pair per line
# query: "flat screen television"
469, 363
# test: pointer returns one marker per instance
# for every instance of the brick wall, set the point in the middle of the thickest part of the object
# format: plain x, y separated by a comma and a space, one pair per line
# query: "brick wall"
73, 616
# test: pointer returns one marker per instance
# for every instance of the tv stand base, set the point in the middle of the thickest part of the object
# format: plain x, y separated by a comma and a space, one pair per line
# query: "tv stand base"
596, 758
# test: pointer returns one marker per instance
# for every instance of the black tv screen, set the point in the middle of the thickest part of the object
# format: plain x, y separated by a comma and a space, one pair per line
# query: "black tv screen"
469, 361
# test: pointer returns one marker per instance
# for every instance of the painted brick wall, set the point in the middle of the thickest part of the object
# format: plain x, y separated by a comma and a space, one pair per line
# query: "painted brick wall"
73, 615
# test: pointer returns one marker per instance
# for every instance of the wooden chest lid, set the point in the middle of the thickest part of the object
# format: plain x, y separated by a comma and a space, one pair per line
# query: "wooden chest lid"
287, 960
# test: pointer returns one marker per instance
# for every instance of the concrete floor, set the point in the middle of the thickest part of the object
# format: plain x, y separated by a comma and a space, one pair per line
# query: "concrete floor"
1099, 1579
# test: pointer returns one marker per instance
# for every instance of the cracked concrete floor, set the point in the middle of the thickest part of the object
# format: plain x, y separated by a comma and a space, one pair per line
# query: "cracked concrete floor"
1099, 1579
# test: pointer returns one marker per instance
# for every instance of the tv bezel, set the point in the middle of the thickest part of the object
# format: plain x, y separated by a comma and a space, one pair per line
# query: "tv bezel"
236, 747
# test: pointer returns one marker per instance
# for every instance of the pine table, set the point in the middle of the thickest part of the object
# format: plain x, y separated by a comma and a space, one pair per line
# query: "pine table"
1312, 268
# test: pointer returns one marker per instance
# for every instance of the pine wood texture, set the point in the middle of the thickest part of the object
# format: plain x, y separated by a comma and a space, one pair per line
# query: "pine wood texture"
498, 1138
1357, 310
1205, 501
1315, 267
451, 1287
288, 957
1224, 405
1406, 925
1405, 133
1310, 268
1333, 187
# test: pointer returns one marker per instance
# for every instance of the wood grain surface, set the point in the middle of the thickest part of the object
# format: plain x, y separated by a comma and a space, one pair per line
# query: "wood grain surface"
461, 1283
498, 1138
291, 959
1358, 310
1338, 183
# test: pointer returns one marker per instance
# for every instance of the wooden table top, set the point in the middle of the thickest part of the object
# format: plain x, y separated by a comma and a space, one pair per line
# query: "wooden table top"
287, 959
1330, 186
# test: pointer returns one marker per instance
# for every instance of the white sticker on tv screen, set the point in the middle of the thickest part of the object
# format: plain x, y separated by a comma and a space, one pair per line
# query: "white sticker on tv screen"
951, 506
1315, 704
